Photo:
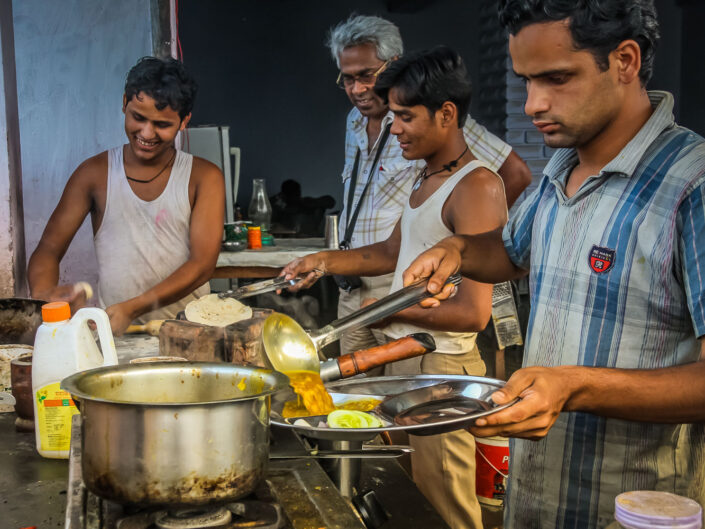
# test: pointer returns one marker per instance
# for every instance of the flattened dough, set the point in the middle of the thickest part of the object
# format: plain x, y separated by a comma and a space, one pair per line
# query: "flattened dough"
212, 310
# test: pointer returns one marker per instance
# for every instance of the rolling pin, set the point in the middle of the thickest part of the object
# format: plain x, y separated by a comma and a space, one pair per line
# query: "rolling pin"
151, 327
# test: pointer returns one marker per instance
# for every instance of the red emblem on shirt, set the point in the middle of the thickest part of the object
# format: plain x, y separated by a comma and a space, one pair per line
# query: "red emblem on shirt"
601, 259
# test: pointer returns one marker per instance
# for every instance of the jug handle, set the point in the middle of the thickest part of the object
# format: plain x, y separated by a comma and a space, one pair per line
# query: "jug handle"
105, 334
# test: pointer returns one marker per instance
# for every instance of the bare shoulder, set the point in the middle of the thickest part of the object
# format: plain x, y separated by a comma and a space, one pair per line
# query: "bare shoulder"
204, 171
92, 173
480, 184
480, 193
206, 182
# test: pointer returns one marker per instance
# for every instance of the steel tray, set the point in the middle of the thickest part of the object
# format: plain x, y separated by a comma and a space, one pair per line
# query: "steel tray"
416, 404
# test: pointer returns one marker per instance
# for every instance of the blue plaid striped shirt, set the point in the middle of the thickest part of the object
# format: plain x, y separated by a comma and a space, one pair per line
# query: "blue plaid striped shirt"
617, 279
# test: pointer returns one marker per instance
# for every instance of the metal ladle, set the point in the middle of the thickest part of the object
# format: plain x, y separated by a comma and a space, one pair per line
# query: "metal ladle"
290, 348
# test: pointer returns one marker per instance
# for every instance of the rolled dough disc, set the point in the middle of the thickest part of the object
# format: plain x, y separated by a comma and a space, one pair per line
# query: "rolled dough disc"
212, 310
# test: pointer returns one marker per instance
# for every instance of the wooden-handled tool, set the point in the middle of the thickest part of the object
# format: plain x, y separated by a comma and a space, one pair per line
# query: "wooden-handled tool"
360, 361
151, 327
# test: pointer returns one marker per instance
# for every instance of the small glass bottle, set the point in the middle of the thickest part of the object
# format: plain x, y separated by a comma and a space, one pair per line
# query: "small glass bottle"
260, 210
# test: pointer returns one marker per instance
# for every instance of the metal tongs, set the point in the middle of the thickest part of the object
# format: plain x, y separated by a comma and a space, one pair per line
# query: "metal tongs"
259, 288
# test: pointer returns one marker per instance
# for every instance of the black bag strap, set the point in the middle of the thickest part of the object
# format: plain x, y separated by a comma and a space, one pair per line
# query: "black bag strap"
345, 243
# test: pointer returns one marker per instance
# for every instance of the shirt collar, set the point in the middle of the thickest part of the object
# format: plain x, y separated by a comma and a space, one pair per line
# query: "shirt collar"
359, 122
625, 163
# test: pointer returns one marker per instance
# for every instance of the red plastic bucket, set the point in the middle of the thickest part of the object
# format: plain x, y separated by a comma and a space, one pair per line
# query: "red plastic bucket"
492, 469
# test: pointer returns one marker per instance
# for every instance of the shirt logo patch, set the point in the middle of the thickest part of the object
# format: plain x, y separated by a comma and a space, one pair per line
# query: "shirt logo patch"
601, 259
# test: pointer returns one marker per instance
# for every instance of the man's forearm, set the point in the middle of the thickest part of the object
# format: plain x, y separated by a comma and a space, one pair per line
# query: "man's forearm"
368, 261
42, 274
184, 280
484, 258
668, 395
448, 316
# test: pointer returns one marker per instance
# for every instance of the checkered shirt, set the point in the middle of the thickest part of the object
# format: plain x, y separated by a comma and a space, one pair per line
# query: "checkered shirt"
617, 280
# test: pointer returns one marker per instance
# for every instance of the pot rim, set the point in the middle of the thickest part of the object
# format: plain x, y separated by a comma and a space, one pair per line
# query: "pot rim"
72, 383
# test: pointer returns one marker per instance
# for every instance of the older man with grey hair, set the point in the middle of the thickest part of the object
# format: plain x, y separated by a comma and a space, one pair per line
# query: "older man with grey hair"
377, 179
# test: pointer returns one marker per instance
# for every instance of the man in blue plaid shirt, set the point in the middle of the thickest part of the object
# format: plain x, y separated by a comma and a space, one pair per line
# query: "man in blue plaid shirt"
612, 392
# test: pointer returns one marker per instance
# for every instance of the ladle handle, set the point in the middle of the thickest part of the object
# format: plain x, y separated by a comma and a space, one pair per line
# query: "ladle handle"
408, 347
388, 305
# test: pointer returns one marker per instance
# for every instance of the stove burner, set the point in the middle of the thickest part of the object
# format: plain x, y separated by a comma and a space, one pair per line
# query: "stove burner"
245, 514
256, 514
194, 519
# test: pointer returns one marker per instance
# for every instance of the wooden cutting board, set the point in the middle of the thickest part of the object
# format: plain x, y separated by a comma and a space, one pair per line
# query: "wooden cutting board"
193, 341
243, 340
206, 343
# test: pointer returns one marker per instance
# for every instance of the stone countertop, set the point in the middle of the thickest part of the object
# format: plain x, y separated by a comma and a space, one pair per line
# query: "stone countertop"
32, 488
283, 252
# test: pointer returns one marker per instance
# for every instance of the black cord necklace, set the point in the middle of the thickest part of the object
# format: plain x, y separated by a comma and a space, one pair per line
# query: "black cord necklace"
155, 176
446, 167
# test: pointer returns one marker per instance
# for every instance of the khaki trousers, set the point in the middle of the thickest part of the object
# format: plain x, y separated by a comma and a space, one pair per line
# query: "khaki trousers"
443, 466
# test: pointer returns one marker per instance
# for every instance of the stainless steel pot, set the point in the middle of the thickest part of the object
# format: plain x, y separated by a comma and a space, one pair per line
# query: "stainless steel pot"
174, 433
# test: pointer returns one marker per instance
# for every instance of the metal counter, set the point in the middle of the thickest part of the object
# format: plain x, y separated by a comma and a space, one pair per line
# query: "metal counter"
33, 489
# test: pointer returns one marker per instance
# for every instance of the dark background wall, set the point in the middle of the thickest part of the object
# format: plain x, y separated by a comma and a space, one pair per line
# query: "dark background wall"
264, 70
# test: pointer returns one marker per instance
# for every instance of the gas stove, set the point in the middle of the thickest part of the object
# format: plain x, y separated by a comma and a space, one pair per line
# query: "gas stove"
296, 494
240, 515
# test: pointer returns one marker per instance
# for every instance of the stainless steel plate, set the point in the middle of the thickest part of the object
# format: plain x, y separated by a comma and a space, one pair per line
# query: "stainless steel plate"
418, 405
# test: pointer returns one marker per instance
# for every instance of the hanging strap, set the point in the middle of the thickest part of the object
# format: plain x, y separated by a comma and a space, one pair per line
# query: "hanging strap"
345, 243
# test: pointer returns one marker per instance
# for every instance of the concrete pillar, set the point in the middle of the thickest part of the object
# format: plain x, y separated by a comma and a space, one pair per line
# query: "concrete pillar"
12, 254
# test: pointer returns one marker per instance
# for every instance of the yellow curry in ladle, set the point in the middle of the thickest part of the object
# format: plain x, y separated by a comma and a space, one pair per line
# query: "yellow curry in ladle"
314, 399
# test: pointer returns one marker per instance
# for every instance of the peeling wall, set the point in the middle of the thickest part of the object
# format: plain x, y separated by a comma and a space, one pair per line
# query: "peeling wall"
71, 57
12, 277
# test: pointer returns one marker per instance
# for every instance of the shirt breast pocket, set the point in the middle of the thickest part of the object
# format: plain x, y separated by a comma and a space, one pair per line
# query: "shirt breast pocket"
393, 183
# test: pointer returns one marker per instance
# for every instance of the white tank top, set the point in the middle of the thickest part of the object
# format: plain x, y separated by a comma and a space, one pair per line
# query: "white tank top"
140, 243
422, 228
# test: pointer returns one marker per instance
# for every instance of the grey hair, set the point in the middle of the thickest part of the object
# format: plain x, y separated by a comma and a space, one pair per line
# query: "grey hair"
361, 29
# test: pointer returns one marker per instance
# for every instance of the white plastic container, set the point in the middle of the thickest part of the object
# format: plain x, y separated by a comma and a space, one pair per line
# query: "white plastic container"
650, 509
62, 347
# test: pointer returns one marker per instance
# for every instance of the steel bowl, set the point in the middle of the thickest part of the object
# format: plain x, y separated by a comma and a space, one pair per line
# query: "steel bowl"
163, 433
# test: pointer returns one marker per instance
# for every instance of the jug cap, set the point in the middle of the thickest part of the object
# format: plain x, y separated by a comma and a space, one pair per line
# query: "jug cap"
56, 311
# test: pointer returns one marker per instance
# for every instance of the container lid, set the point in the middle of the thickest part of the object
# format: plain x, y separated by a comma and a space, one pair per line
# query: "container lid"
647, 509
56, 311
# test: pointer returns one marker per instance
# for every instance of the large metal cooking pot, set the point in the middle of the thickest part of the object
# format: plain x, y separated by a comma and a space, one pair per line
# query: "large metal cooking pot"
174, 433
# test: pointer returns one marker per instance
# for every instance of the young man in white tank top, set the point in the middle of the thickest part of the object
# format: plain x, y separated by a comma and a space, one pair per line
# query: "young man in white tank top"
157, 212
429, 94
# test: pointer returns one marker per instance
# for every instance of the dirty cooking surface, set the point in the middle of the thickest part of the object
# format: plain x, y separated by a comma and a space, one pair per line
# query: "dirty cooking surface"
192, 489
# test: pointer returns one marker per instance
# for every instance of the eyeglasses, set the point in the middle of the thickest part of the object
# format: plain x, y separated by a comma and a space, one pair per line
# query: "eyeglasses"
346, 81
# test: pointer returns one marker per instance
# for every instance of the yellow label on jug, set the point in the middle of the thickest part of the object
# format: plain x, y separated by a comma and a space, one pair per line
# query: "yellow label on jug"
54, 412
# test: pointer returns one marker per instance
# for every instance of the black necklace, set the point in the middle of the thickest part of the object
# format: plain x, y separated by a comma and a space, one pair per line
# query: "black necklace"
446, 167
155, 176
